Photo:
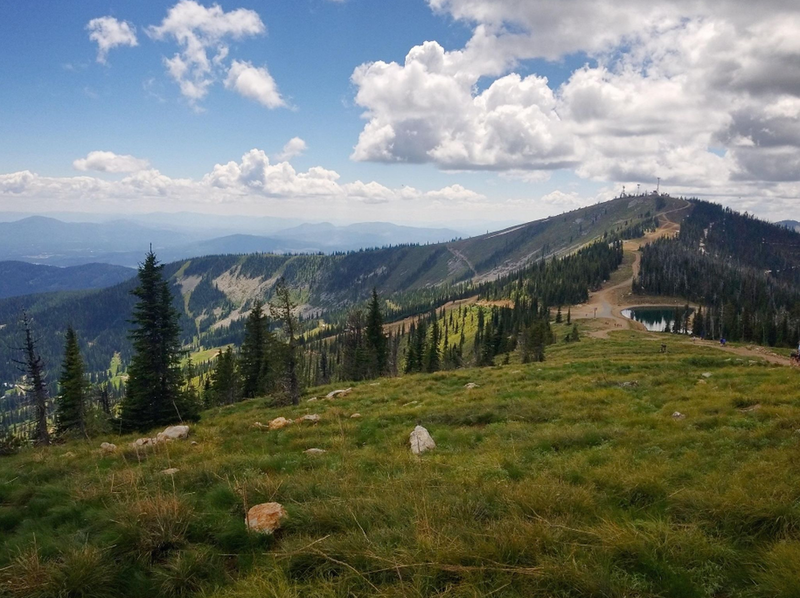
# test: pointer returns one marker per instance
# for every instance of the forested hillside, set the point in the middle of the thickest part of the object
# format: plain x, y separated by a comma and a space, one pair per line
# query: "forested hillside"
744, 272
214, 293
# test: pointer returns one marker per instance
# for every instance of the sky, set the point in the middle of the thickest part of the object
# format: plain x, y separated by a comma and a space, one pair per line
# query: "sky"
410, 111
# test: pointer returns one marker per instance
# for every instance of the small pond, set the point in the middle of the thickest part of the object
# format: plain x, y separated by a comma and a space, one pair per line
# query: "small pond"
655, 318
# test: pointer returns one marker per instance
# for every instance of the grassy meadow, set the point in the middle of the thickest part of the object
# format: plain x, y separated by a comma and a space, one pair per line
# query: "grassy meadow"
564, 478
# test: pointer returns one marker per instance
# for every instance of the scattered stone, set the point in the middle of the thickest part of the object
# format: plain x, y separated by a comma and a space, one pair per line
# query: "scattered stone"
338, 394
375, 384
68, 455
411, 403
315, 451
312, 399
141, 442
355, 416
279, 422
629, 384
173, 433
107, 447
701, 382
707, 375
265, 518
260, 426
678, 415
312, 417
194, 443
471, 385
755, 407
421, 441
170, 471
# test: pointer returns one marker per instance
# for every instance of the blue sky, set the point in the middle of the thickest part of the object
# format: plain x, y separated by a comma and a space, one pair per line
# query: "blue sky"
493, 119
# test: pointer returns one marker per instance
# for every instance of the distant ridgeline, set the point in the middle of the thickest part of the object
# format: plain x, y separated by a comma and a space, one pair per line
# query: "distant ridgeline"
215, 293
744, 273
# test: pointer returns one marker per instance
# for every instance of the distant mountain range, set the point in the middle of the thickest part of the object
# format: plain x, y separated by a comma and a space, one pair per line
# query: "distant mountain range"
44, 240
22, 278
790, 224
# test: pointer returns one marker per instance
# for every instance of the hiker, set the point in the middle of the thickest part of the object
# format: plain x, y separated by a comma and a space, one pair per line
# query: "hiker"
722, 341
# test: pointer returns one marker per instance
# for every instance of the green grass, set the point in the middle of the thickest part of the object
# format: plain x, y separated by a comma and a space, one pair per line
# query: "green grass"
566, 478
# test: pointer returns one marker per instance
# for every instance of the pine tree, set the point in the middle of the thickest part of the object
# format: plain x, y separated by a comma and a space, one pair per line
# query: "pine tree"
376, 339
254, 355
71, 402
154, 393
282, 309
432, 354
36, 386
225, 383
559, 317
569, 315
574, 336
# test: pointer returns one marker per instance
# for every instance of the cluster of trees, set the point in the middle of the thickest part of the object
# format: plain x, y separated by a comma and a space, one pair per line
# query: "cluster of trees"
742, 271
265, 364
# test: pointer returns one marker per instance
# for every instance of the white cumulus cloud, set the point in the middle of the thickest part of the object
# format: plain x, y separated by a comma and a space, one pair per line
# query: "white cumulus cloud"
293, 148
254, 83
203, 35
110, 33
102, 161
704, 94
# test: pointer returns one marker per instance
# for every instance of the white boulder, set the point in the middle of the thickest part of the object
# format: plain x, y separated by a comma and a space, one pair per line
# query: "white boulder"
421, 441
265, 518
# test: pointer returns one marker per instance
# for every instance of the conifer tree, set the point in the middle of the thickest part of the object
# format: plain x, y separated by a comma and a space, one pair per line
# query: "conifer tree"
432, 354
559, 317
282, 309
569, 315
254, 358
154, 393
36, 386
225, 383
376, 339
71, 402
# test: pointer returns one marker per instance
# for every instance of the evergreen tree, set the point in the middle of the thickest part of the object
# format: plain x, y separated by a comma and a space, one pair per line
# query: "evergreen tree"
225, 387
71, 402
432, 354
254, 354
36, 386
569, 315
376, 339
282, 309
559, 317
154, 393
574, 336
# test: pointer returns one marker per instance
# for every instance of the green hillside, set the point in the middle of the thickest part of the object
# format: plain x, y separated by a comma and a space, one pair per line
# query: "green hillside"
612, 470
215, 292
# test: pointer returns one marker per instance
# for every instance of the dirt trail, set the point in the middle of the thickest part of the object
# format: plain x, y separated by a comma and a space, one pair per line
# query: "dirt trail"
606, 305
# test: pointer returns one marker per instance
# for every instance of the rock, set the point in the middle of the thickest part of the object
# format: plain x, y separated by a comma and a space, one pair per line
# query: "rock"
265, 518
107, 447
375, 384
707, 375
355, 416
194, 443
312, 399
312, 417
170, 471
678, 415
702, 382
471, 385
315, 451
629, 384
279, 422
338, 394
174, 433
755, 407
421, 441
411, 403
142, 442
68, 455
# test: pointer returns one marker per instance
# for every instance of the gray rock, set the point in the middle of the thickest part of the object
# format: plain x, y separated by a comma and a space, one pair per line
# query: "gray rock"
421, 441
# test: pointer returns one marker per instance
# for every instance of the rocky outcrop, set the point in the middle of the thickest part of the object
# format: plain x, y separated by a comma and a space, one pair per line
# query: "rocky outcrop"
338, 394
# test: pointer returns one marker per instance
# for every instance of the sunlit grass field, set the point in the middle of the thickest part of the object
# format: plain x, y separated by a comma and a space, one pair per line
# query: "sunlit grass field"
564, 478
